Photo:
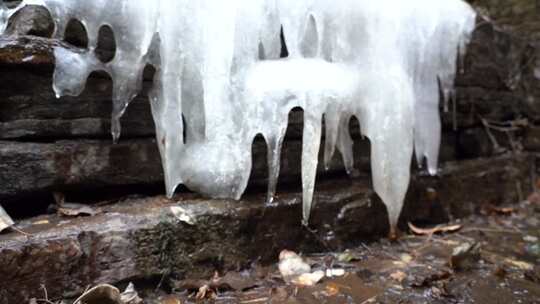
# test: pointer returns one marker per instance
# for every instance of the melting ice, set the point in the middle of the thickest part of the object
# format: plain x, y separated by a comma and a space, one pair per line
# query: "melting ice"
219, 76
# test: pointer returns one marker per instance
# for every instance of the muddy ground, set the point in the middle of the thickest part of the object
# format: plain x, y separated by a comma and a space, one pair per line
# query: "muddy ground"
490, 257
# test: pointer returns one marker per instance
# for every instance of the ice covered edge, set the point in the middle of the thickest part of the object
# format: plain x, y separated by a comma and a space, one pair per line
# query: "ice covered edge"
219, 75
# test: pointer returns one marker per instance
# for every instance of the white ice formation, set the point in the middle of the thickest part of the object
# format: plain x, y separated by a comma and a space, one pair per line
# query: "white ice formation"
219, 76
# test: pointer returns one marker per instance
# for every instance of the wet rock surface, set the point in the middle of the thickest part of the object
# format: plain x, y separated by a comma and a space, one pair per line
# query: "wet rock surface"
416, 268
144, 239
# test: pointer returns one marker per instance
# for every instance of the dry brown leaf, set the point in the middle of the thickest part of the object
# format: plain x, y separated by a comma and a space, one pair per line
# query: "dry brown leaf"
184, 215
170, 299
103, 293
519, 264
308, 279
465, 256
203, 292
436, 229
130, 295
71, 209
494, 210
504, 210
406, 258
332, 289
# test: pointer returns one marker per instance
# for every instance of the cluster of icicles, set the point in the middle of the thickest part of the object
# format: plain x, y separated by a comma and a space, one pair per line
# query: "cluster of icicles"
219, 75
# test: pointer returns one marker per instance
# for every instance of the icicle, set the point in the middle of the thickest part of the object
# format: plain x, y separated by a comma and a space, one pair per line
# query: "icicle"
345, 143
218, 76
4, 16
331, 124
275, 142
310, 156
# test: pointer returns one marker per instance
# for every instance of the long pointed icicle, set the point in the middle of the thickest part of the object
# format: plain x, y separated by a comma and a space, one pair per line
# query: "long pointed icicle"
310, 156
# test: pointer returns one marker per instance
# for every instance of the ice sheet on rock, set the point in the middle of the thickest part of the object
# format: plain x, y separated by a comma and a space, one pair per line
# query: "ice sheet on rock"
134, 25
220, 82
4, 15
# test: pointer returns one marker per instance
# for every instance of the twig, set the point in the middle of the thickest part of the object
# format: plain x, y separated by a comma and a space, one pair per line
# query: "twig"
20, 231
46, 299
369, 300
42, 286
255, 300
366, 247
475, 229
494, 142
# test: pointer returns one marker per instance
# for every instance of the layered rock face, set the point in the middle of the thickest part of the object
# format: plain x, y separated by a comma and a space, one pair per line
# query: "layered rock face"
500, 84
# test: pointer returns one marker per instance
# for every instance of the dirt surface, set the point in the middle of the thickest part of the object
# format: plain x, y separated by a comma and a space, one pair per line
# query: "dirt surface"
490, 257
502, 267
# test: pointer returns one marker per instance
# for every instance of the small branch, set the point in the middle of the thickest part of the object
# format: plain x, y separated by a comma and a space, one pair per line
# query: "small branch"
20, 231
490, 230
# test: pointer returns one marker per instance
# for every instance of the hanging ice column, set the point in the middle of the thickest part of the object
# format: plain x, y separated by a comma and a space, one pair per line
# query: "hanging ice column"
219, 77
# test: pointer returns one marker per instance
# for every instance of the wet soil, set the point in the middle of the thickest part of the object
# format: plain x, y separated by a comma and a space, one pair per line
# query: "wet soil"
493, 258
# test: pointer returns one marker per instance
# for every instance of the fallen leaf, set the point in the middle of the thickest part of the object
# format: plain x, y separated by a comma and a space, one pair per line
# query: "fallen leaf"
519, 264
99, 294
308, 279
505, 210
183, 215
406, 258
130, 295
494, 210
41, 222
398, 276
5, 220
435, 292
335, 272
332, 289
170, 299
436, 229
428, 277
291, 265
530, 239
73, 209
204, 291
346, 257
465, 256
